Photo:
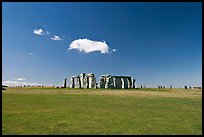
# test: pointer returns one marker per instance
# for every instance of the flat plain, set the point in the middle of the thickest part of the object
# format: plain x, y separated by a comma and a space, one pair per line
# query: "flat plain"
149, 111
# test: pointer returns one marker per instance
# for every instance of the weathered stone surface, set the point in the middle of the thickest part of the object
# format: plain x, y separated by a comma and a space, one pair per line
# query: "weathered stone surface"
122, 83
106, 81
102, 82
65, 82
125, 82
129, 82
110, 82
133, 83
91, 80
72, 82
77, 83
83, 81
114, 84
118, 82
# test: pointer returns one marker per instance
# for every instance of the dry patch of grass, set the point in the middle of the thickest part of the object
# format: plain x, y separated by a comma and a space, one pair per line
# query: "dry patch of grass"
178, 92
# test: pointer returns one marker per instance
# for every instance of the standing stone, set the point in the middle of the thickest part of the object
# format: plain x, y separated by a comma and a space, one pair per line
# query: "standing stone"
87, 81
123, 83
75, 82
81, 76
83, 81
106, 82
110, 82
118, 83
94, 84
114, 84
97, 85
78, 82
91, 80
65, 82
133, 83
102, 82
129, 82
72, 82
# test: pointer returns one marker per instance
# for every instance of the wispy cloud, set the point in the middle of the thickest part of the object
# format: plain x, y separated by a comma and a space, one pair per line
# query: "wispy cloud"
18, 83
40, 32
87, 46
55, 37
47, 32
21, 79
113, 50
30, 53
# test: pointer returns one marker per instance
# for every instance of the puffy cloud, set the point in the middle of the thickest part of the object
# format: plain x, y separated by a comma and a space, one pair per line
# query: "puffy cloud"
56, 38
40, 32
87, 46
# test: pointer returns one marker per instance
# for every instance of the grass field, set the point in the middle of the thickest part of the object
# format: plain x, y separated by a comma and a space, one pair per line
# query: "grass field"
82, 111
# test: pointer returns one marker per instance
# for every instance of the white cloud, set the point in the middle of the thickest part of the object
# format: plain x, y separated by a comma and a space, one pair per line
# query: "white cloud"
21, 79
114, 50
87, 46
55, 37
40, 32
18, 83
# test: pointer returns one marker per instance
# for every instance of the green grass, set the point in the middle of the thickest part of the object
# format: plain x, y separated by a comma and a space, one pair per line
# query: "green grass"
98, 113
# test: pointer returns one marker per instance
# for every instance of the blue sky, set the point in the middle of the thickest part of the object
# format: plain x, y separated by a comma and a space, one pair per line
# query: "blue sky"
156, 43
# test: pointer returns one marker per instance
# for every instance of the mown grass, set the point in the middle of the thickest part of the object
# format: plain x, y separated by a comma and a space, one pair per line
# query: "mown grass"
98, 113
